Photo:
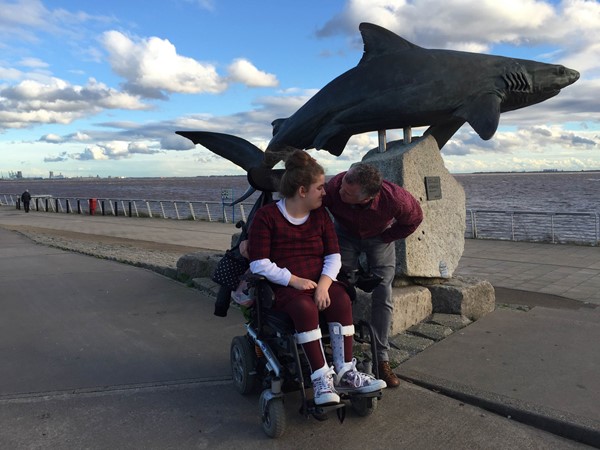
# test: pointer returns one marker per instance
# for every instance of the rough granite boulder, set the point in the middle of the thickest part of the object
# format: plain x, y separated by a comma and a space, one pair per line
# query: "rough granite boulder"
412, 304
436, 247
469, 297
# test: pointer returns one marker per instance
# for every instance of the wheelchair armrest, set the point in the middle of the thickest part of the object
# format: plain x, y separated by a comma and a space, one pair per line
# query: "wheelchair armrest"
263, 292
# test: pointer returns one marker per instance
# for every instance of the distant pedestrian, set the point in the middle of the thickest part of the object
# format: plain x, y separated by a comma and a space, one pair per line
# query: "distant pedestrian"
26, 198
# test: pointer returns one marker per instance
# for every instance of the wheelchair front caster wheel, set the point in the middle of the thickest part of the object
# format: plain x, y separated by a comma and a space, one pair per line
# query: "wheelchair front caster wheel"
364, 406
273, 415
243, 365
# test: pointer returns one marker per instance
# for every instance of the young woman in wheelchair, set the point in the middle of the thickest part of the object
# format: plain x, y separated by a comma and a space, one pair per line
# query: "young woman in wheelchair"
292, 243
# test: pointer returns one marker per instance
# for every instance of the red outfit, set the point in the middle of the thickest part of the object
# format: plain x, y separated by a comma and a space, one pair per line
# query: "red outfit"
393, 214
301, 249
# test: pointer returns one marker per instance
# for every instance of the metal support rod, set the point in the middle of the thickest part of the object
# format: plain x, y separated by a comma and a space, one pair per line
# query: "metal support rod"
407, 135
382, 141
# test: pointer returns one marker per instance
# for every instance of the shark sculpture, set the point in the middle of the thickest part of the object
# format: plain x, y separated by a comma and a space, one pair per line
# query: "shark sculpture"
398, 84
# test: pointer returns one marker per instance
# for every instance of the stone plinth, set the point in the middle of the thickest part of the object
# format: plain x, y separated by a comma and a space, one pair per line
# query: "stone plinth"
412, 304
469, 297
435, 248
197, 265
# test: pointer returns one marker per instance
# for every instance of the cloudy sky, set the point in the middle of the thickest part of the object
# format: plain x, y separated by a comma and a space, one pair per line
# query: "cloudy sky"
99, 88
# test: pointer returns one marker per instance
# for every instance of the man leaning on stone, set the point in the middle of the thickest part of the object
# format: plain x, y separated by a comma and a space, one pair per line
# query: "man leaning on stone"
370, 214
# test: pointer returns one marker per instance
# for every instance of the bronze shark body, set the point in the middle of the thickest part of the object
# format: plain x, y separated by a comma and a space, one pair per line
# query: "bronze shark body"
398, 84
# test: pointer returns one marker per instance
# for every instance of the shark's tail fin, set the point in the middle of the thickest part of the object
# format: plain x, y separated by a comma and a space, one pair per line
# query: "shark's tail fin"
235, 149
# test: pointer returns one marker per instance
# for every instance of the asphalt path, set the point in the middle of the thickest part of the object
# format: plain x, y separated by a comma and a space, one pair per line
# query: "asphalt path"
97, 354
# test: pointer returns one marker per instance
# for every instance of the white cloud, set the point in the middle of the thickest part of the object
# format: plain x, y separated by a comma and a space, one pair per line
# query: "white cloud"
52, 138
467, 23
56, 101
34, 63
572, 27
152, 67
243, 71
141, 148
175, 142
93, 153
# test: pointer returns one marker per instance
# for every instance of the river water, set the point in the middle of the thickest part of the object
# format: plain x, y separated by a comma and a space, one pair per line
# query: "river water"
548, 191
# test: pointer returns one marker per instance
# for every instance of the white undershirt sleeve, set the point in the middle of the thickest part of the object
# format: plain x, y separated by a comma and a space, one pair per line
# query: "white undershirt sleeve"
332, 265
271, 271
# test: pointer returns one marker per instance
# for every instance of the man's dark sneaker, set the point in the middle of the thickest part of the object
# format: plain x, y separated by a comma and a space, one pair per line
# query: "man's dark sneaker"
386, 374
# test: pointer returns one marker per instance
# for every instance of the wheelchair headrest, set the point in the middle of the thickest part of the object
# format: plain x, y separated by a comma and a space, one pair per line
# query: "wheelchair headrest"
265, 179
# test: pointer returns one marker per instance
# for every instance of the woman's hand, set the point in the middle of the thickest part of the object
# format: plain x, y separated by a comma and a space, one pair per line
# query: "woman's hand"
301, 284
321, 297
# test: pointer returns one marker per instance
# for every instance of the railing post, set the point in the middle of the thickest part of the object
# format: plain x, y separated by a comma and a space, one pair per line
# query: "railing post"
116, 209
192, 211
512, 225
130, 209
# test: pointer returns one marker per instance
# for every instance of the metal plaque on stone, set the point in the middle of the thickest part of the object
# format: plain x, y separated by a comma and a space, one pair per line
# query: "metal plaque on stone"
433, 187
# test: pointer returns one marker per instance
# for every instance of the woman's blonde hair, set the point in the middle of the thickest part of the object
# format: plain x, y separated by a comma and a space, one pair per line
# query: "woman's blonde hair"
300, 170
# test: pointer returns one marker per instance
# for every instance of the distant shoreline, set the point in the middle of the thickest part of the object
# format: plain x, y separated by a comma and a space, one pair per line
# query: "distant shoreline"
509, 172
499, 172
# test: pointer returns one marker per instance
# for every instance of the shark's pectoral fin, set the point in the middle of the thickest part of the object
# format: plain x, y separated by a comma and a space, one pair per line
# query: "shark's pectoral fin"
331, 140
483, 114
443, 132
235, 149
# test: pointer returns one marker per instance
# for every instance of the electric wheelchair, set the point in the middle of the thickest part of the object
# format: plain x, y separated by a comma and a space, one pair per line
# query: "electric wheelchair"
268, 358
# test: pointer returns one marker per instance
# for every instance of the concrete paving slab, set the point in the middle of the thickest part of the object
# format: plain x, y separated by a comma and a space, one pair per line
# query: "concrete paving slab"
212, 415
539, 366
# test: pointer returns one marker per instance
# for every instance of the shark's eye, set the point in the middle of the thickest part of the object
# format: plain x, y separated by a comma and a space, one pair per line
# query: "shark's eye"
561, 71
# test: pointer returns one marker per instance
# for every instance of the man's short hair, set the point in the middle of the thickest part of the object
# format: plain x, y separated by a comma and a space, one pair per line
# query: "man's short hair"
367, 177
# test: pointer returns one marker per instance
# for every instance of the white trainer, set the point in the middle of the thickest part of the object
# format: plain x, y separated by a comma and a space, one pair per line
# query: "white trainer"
350, 380
324, 390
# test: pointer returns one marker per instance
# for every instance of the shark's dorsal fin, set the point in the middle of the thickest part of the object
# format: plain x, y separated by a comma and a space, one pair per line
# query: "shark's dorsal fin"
379, 41
483, 114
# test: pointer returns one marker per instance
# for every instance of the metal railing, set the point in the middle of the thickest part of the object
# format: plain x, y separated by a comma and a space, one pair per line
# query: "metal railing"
534, 226
164, 209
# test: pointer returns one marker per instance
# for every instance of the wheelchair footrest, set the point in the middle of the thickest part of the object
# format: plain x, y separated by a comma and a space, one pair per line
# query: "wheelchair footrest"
377, 394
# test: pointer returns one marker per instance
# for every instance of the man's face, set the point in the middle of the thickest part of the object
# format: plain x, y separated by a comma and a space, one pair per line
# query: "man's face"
352, 194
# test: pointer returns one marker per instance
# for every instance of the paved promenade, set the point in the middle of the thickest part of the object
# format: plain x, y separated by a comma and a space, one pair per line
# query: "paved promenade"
98, 354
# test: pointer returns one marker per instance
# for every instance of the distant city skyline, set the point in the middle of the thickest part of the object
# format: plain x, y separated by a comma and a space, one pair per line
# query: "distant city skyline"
99, 89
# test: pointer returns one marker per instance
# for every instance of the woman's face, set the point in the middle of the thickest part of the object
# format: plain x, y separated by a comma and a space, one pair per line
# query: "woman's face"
315, 193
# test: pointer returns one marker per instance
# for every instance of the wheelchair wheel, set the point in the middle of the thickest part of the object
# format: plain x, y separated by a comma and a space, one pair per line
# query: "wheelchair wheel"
243, 365
364, 406
273, 416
